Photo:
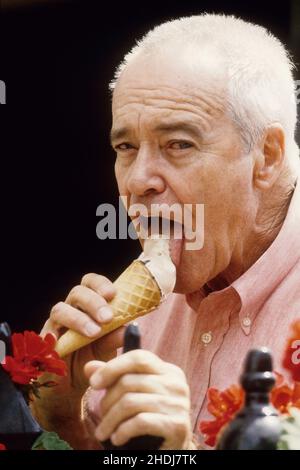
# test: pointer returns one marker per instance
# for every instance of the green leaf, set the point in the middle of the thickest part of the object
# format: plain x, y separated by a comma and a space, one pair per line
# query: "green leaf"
50, 441
290, 436
282, 445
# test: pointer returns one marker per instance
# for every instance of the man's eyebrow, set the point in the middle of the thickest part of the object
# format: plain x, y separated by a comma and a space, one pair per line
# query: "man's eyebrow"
190, 128
116, 134
179, 126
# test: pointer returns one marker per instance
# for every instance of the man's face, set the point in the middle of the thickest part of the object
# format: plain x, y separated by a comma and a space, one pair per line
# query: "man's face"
175, 143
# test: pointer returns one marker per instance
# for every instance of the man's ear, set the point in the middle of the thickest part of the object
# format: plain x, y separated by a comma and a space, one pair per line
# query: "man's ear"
269, 163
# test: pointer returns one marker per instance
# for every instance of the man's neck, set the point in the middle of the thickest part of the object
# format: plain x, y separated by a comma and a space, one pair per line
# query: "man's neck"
268, 222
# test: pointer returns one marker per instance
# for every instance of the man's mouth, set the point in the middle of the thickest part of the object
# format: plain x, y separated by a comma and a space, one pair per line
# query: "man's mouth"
166, 228
162, 226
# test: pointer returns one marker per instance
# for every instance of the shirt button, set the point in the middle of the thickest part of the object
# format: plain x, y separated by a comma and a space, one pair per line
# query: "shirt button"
206, 338
246, 321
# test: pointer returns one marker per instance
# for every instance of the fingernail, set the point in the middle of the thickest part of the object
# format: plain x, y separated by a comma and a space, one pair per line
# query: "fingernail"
91, 329
104, 314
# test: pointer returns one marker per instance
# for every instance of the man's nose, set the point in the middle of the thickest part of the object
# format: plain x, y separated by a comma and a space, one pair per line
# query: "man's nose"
144, 177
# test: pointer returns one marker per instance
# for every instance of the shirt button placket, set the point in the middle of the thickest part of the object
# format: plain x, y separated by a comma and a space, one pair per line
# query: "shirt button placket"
206, 338
246, 322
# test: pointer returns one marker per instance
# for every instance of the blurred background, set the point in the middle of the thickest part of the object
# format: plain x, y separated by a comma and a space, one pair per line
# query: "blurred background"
57, 58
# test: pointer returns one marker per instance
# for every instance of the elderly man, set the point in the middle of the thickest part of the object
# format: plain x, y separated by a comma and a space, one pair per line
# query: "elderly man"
203, 112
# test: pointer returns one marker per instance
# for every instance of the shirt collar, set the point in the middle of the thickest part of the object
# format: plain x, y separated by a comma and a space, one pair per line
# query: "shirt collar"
257, 283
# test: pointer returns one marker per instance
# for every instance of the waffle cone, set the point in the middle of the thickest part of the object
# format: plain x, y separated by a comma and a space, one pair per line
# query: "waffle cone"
137, 294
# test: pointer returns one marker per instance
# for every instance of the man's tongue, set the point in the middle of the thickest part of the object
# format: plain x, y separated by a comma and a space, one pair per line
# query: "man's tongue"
168, 229
175, 246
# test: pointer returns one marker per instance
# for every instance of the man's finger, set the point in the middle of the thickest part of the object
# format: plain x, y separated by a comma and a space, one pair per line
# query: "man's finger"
175, 431
133, 383
99, 284
50, 327
88, 301
67, 316
91, 367
132, 404
138, 361
151, 424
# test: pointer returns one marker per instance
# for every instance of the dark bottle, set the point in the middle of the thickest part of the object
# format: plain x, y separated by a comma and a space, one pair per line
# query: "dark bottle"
132, 341
18, 428
257, 425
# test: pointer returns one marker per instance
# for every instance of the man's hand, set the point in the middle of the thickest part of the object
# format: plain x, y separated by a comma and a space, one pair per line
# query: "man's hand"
84, 310
144, 395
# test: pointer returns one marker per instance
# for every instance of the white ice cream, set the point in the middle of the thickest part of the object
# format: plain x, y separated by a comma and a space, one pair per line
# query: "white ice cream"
156, 257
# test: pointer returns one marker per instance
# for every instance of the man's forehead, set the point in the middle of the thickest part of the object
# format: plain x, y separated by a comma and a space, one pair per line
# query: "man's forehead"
165, 107
167, 91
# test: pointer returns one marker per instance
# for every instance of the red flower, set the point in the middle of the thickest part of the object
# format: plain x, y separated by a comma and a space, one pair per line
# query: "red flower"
291, 360
2, 447
283, 396
33, 355
224, 405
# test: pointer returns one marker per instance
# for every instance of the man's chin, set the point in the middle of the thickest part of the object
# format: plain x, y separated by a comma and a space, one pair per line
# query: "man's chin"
193, 296
186, 285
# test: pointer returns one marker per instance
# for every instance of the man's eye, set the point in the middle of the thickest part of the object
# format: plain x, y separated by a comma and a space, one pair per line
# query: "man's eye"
123, 146
180, 145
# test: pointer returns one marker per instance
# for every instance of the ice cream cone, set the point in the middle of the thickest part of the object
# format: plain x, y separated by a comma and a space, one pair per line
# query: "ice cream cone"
137, 294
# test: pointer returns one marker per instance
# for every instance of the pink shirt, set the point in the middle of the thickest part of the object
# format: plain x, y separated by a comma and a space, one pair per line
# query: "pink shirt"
210, 344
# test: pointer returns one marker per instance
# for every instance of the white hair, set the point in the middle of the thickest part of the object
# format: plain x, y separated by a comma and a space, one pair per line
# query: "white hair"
261, 88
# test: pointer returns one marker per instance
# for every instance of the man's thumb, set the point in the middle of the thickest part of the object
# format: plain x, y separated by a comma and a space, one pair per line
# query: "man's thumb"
91, 367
